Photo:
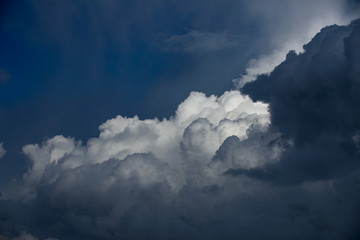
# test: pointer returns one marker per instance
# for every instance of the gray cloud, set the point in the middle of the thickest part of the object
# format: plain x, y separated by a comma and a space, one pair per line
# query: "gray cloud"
303, 22
24, 236
318, 111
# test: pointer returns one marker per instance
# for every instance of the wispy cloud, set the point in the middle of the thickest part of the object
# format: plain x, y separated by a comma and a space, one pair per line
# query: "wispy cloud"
197, 41
2, 150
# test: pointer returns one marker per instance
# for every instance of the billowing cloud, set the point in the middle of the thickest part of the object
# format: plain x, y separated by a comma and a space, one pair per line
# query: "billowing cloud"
317, 15
319, 109
137, 167
185, 142
280, 164
121, 39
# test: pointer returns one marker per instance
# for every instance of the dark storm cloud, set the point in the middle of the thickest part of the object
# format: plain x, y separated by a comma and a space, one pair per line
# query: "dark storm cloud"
83, 204
314, 102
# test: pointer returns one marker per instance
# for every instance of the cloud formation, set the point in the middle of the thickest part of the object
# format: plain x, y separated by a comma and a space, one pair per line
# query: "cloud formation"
224, 167
135, 167
319, 109
299, 30
185, 142
104, 44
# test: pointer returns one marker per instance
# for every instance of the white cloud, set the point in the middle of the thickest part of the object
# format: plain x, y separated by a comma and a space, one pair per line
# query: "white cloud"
184, 143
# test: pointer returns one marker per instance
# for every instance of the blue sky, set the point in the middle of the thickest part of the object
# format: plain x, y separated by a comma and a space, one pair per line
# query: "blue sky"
68, 67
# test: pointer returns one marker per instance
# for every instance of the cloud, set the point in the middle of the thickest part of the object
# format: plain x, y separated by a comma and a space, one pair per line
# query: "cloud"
227, 167
319, 109
218, 168
135, 172
186, 141
119, 37
24, 236
2, 150
196, 41
320, 14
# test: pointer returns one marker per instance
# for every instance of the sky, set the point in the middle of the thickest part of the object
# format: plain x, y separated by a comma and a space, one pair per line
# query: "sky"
173, 119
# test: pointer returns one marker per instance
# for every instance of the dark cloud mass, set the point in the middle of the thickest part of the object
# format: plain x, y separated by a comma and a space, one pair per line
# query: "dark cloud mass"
217, 169
314, 99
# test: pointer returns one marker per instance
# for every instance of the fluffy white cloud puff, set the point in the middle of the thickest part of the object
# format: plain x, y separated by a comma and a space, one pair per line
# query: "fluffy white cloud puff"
171, 148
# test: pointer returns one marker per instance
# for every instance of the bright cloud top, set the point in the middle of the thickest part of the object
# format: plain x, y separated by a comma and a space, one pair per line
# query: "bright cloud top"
291, 39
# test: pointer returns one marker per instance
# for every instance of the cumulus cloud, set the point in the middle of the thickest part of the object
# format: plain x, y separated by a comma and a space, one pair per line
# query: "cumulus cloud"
319, 109
185, 142
136, 167
280, 164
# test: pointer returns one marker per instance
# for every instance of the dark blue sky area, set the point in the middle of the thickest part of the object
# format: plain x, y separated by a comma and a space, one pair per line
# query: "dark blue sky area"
72, 54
